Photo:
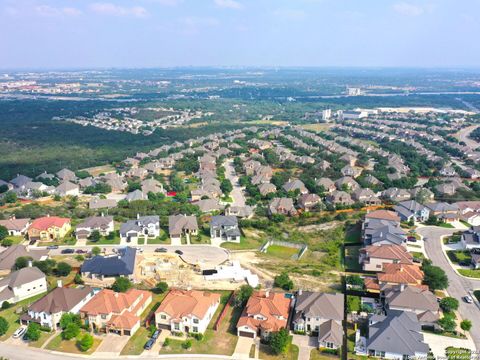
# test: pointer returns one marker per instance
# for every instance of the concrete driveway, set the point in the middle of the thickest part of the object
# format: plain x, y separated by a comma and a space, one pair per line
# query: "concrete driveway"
459, 286
112, 344
438, 343
242, 349
305, 345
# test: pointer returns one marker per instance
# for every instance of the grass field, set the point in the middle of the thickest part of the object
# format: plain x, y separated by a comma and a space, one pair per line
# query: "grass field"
290, 354
282, 252
316, 127
246, 243
71, 346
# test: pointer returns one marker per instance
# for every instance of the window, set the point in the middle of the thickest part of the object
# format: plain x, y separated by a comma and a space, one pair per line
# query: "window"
195, 321
103, 316
195, 329
176, 326
163, 316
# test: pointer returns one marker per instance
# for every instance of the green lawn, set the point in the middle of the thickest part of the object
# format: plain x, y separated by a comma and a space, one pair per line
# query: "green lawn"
282, 252
16, 239
353, 234
290, 354
351, 258
454, 353
455, 238
446, 225
71, 346
44, 336
460, 257
470, 273
316, 354
12, 317
162, 239
417, 255
246, 243
104, 241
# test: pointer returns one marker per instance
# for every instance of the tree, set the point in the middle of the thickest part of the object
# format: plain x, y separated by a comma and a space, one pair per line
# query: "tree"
3, 232
10, 197
449, 304
3, 326
242, 296
96, 251
78, 279
161, 287
279, 341
283, 281
121, 284
466, 325
33, 332
435, 277
46, 266
354, 280
63, 269
94, 236
447, 323
6, 305
71, 330
7, 242
86, 342
226, 186
22, 262
69, 318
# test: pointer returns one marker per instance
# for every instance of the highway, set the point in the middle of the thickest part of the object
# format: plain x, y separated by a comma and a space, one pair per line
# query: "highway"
459, 286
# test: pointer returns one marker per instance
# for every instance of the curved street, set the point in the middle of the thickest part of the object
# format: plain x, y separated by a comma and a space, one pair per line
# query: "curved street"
463, 135
458, 286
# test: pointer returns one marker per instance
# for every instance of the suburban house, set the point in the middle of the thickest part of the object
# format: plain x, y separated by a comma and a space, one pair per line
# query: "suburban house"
182, 225
395, 274
48, 310
322, 314
411, 209
373, 257
396, 195
294, 185
346, 183
97, 203
339, 197
283, 206
22, 284
10, 254
208, 205
103, 224
366, 196
420, 301
109, 267
471, 238
113, 312
142, 227
49, 228
265, 312
67, 188
327, 184
308, 201
16, 227
66, 175
224, 228
384, 332
244, 212
444, 211
383, 232
267, 188
187, 311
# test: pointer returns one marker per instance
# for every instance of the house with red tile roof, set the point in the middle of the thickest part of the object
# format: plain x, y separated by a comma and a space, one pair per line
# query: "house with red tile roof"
188, 311
396, 274
265, 312
374, 257
114, 312
49, 228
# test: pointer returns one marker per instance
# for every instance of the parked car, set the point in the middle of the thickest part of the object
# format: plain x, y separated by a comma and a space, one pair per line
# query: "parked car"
80, 251
468, 299
149, 344
52, 247
68, 251
161, 250
156, 334
139, 249
179, 252
412, 239
19, 332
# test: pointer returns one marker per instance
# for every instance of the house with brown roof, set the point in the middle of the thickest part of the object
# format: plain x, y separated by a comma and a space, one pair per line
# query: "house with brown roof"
16, 227
396, 274
182, 225
339, 197
188, 311
308, 201
113, 312
48, 310
22, 284
49, 228
373, 257
265, 312
283, 206
267, 188
103, 224
12, 253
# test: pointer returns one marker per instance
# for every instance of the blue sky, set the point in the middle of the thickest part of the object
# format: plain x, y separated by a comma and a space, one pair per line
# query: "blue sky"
162, 33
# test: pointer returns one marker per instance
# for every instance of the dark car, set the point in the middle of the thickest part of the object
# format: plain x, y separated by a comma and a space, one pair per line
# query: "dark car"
80, 251
179, 252
149, 344
412, 239
156, 334
67, 251
52, 247
161, 250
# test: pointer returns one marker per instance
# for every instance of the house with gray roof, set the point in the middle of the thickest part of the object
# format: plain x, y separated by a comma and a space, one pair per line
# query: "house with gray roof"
283, 206
383, 232
322, 314
395, 336
16, 227
244, 212
224, 228
267, 188
22, 284
136, 195
20, 181
295, 184
121, 264
411, 209
10, 254
182, 225
97, 203
103, 224
66, 175
67, 188
208, 205
471, 238
142, 227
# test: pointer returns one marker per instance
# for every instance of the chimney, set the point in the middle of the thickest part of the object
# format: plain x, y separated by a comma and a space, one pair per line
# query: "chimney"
402, 287
103, 214
59, 283
138, 216
30, 264
300, 292
267, 293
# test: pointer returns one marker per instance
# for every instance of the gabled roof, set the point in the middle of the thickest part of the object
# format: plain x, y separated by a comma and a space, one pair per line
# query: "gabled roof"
330, 331
178, 223
110, 302
22, 276
412, 298
223, 220
9, 255
60, 299
389, 252
383, 214
321, 305
179, 303
15, 224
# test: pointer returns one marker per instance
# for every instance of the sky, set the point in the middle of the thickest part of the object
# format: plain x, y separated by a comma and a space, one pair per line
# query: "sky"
36, 34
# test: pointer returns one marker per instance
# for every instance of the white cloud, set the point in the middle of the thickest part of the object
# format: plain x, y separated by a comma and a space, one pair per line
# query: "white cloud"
407, 9
47, 10
115, 10
290, 14
193, 24
229, 4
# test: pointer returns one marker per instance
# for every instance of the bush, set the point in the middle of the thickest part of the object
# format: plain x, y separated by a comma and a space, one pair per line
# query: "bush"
197, 336
279, 341
242, 296
283, 281
166, 343
86, 342
449, 304
33, 332
121, 284
78, 279
7, 242
63, 269
4, 325
187, 344
72, 330
161, 287
6, 305
435, 277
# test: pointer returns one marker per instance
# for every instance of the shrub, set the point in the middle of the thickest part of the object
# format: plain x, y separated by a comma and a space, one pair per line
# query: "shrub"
4, 325
187, 344
166, 343
121, 284
278, 341
71, 330
7, 242
6, 305
63, 269
283, 281
197, 336
161, 287
449, 304
86, 342
33, 332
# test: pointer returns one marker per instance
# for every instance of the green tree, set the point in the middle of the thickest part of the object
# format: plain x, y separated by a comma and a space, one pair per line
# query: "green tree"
279, 341
466, 325
69, 318
86, 342
22, 262
121, 284
46, 266
96, 251
161, 287
33, 332
283, 281
447, 323
10, 197
78, 279
63, 269
95, 236
449, 304
71, 330
3, 232
226, 187
435, 277
187, 344
242, 296
4, 325
7, 242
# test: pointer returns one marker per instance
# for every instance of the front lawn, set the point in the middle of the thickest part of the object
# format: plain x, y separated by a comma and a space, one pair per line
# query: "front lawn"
454, 353
470, 273
44, 336
460, 257
316, 354
162, 239
282, 252
446, 225
291, 352
71, 346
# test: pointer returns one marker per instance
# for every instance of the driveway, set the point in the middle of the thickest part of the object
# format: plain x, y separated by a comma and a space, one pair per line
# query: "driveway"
458, 285
112, 344
242, 349
305, 345
438, 343
237, 192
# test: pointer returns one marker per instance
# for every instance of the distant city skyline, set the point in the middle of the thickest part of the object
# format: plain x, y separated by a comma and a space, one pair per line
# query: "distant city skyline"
41, 34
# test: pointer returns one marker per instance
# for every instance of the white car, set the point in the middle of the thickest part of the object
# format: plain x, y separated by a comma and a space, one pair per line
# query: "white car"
19, 332
468, 299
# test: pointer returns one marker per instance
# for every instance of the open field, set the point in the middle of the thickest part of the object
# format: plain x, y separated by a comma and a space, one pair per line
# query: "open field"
317, 127
282, 252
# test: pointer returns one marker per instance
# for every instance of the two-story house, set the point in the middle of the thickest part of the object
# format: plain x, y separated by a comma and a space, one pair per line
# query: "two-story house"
224, 228
182, 225
188, 311
142, 227
103, 224
49, 228
22, 284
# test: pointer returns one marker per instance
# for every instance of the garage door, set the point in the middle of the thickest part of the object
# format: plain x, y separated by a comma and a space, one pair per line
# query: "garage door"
246, 334
163, 326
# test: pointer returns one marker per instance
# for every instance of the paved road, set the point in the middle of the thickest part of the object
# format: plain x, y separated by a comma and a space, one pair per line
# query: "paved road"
237, 192
458, 285
462, 135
